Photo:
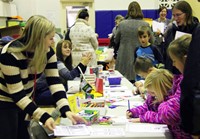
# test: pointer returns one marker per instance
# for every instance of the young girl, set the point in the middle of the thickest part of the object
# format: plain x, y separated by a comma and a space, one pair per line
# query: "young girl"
178, 50
65, 69
146, 49
162, 104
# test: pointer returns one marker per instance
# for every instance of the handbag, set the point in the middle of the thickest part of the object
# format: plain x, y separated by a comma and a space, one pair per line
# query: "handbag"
37, 131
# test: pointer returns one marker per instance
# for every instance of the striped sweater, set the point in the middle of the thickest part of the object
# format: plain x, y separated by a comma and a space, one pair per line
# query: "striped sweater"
167, 112
17, 84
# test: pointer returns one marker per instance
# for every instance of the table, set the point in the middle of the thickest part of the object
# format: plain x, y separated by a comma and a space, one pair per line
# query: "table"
120, 111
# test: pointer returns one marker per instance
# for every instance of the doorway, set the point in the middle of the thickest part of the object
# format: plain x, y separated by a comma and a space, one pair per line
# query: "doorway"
89, 4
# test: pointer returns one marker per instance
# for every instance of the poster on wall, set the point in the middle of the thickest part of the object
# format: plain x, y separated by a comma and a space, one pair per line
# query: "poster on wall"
168, 3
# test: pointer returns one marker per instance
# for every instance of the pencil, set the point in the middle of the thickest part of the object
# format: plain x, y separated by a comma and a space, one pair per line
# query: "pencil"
128, 104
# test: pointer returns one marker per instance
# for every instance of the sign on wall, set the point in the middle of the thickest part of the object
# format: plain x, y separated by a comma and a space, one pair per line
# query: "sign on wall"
168, 3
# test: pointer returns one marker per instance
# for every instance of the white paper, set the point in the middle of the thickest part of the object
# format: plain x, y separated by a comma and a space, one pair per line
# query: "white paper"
73, 130
179, 34
96, 131
158, 26
119, 120
144, 127
118, 95
125, 103
73, 86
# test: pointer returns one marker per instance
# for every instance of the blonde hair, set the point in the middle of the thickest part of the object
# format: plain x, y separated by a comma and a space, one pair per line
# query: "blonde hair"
161, 81
33, 40
179, 47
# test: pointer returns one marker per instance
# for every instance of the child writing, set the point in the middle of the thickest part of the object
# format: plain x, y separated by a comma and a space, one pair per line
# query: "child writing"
162, 103
143, 66
146, 49
168, 108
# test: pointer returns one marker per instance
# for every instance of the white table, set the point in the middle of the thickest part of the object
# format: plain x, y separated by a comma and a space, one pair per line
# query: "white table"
120, 111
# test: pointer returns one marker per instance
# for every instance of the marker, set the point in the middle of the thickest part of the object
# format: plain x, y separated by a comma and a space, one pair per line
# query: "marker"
128, 105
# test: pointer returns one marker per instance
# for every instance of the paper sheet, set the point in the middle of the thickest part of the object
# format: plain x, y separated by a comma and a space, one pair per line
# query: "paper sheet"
73, 130
158, 26
144, 127
179, 34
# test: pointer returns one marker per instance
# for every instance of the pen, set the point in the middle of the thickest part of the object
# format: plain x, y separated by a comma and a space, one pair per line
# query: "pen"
128, 105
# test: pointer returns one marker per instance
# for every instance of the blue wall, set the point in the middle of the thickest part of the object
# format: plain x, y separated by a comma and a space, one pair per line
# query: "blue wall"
105, 19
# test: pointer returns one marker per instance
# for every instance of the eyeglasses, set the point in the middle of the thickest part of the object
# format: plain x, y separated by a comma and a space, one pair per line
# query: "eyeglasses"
177, 15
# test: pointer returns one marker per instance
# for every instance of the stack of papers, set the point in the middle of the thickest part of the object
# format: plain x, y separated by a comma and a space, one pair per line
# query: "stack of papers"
73, 130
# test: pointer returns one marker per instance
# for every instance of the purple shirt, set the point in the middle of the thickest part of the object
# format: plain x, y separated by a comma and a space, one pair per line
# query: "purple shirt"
166, 112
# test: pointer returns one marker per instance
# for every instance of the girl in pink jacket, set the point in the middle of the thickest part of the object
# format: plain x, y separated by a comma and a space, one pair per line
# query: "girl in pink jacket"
163, 102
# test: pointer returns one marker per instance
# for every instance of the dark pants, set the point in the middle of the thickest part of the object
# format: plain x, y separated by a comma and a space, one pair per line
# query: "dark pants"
12, 124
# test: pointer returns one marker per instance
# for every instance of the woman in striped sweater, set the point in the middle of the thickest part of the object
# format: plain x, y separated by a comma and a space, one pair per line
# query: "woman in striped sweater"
21, 63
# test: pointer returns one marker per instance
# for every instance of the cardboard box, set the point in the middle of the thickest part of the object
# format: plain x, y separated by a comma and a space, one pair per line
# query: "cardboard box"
94, 104
91, 116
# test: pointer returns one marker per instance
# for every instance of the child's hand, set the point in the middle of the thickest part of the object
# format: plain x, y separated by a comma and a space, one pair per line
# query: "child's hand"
135, 120
128, 114
138, 84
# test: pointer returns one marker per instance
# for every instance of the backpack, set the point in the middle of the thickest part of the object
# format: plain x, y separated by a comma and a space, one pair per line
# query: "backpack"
67, 34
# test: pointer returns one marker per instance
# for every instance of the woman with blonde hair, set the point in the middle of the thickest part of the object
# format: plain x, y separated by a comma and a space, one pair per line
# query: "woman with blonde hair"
162, 104
22, 62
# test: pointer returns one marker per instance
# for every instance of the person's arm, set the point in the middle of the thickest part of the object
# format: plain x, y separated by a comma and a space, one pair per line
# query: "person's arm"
140, 110
168, 113
93, 38
70, 75
57, 89
117, 39
157, 54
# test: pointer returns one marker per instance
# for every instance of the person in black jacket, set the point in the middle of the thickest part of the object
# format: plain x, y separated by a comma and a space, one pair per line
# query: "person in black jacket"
183, 22
190, 86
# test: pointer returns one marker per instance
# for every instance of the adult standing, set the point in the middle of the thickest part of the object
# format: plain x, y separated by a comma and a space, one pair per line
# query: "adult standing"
190, 86
183, 22
163, 16
22, 62
83, 39
162, 19
126, 37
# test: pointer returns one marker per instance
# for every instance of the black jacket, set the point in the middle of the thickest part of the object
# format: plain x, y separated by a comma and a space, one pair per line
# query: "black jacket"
190, 87
169, 37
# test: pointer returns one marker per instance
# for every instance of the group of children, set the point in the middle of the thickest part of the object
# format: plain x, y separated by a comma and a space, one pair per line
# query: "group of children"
163, 90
